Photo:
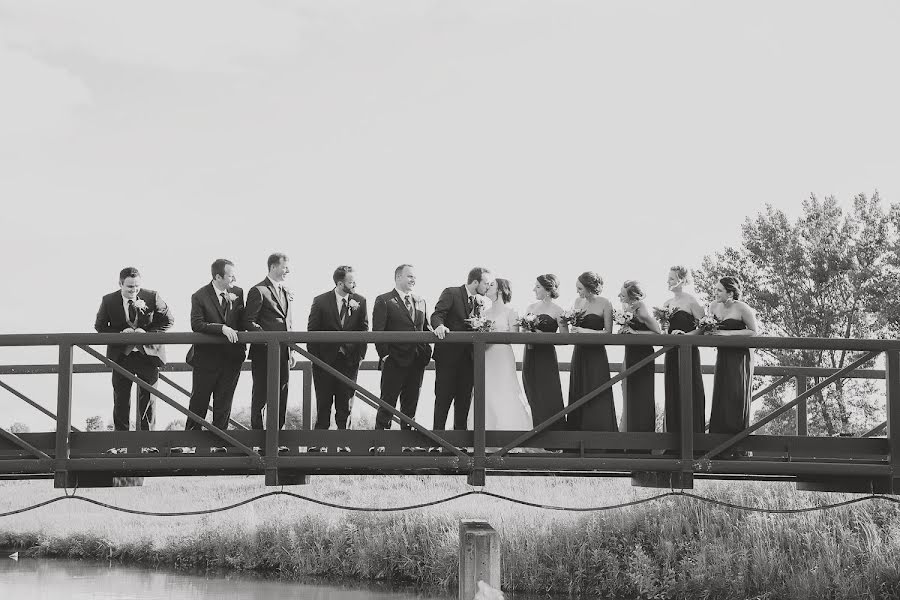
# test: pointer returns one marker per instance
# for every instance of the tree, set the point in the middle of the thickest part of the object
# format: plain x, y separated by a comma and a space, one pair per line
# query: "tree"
94, 423
19, 427
829, 274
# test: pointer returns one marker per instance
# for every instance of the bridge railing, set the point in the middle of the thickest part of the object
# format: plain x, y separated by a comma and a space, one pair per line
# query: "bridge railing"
72, 455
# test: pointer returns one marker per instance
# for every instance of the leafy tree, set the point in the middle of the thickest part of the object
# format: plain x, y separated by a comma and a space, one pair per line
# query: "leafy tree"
94, 423
829, 274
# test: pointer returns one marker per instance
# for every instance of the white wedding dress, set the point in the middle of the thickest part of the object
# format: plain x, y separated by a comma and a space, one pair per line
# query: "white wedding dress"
505, 404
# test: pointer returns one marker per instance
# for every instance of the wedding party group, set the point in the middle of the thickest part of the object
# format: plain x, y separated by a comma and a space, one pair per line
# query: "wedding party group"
482, 303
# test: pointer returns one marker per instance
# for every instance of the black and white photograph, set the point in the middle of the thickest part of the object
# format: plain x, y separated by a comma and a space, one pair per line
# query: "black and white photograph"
449, 300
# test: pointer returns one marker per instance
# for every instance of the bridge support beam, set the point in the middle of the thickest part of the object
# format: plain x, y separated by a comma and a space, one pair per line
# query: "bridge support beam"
479, 557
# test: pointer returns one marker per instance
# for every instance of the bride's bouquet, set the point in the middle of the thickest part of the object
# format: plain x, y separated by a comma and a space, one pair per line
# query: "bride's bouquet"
708, 323
528, 322
571, 317
664, 315
622, 319
480, 324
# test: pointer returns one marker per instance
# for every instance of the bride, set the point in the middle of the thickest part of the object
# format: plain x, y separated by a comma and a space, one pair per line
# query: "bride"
505, 404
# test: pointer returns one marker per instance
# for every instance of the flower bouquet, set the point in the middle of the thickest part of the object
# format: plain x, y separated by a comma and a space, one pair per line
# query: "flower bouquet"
480, 324
528, 322
622, 318
571, 317
663, 315
709, 323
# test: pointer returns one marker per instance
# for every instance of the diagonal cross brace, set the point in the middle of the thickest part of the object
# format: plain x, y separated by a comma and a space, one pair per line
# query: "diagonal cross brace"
187, 393
28, 400
584, 399
781, 381
376, 401
23, 444
781, 410
143, 384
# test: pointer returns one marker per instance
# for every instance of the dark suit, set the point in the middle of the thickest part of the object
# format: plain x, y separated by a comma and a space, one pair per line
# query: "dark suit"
143, 360
216, 367
324, 316
402, 365
267, 310
454, 367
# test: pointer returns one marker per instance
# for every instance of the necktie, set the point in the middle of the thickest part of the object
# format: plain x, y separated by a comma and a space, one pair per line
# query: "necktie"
409, 307
132, 311
224, 303
471, 305
343, 311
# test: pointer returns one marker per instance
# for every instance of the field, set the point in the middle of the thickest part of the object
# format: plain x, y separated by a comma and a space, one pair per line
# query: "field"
675, 547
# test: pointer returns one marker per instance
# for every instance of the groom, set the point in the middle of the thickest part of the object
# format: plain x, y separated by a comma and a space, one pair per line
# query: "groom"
454, 366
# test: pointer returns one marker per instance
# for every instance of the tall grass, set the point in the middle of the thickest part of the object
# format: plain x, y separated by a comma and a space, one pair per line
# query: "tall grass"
670, 548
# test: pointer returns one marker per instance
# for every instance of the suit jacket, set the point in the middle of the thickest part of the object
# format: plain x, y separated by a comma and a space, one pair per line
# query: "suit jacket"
111, 318
452, 310
266, 310
390, 314
324, 316
208, 316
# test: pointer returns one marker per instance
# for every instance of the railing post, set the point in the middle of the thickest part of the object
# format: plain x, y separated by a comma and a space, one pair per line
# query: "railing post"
686, 394
62, 478
307, 396
479, 557
477, 475
802, 426
892, 388
273, 396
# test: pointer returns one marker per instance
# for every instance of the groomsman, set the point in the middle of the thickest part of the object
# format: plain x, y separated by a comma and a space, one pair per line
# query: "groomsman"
269, 309
454, 365
132, 309
338, 309
217, 309
402, 365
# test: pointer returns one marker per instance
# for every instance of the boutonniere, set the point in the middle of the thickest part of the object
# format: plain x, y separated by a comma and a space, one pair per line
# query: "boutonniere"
140, 305
231, 297
289, 293
353, 304
480, 300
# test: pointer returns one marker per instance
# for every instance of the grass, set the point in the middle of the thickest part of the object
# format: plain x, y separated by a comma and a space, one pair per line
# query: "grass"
675, 548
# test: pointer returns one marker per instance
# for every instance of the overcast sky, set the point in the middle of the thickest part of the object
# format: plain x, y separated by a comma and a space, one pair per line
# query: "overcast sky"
530, 137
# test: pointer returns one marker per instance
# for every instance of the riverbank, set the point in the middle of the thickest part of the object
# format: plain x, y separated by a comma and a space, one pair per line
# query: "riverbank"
671, 548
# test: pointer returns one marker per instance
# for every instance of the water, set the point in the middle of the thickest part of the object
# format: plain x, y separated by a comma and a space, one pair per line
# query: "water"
49, 579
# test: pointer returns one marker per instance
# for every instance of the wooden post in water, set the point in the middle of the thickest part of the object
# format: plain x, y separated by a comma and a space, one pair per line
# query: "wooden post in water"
479, 557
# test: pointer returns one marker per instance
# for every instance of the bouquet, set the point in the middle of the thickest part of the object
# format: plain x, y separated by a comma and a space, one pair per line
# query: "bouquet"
529, 322
622, 318
664, 315
708, 324
480, 324
571, 317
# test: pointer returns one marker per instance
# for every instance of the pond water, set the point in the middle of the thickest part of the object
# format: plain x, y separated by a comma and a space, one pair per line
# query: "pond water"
48, 579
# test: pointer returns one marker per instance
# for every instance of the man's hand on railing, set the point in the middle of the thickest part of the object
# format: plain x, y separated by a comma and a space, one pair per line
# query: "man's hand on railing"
128, 330
230, 333
440, 331
139, 330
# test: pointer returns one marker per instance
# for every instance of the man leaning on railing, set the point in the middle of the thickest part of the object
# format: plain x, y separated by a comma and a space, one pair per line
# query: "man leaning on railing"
132, 309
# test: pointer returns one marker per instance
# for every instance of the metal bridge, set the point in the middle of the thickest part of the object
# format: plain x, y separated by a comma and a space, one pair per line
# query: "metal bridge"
77, 458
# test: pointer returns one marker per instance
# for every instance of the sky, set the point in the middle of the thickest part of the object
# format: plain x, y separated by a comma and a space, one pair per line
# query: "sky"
525, 136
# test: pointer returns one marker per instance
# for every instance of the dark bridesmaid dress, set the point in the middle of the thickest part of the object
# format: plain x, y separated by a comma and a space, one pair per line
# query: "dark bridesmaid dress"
640, 393
590, 370
684, 321
540, 377
731, 386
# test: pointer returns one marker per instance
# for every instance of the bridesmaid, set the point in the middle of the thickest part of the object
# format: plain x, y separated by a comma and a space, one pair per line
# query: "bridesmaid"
687, 311
540, 368
734, 366
640, 390
590, 365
